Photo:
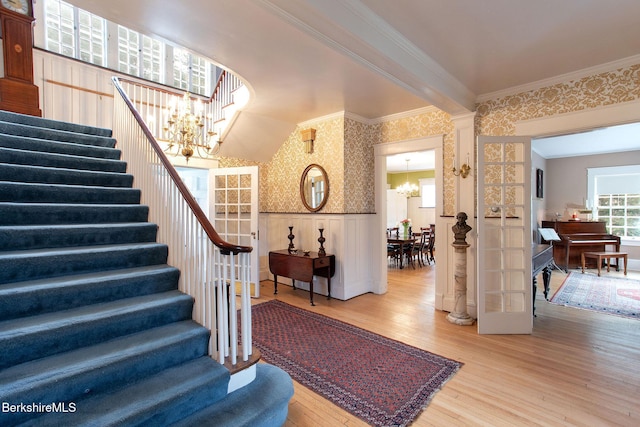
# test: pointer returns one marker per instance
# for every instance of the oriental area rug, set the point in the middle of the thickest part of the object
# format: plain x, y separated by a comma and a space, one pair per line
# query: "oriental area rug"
610, 295
381, 381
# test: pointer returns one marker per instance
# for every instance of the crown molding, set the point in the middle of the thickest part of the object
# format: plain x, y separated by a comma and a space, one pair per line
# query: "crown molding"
332, 116
364, 120
562, 78
405, 114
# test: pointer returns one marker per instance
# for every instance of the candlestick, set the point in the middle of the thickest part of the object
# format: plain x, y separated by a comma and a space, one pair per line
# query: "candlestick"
291, 236
321, 239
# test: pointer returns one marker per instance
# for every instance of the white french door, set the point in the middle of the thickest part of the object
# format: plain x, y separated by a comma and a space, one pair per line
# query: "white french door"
233, 209
504, 235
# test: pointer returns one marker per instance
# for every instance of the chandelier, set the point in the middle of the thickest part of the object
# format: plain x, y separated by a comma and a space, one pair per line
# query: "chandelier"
407, 189
190, 133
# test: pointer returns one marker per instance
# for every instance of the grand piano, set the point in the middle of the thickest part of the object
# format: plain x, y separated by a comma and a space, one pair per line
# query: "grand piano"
541, 261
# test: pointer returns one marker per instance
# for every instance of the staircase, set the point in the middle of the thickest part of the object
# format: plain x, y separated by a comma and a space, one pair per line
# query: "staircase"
91, 320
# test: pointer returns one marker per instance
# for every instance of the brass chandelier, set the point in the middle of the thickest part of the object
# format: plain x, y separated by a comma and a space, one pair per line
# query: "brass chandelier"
189, 133
407, 189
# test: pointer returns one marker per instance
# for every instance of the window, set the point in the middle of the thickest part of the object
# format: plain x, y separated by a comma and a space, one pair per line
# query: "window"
91, 38
616, 192
189, 71
60, 24
128, 51
76, 33
428, 192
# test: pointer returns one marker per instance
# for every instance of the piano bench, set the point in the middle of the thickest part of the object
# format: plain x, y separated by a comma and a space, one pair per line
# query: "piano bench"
599, 256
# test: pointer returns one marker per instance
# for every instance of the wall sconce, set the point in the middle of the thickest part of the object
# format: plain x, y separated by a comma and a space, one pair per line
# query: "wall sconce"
308, 136
464, 170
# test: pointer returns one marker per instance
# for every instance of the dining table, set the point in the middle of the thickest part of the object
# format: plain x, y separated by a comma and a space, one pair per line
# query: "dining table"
403, 241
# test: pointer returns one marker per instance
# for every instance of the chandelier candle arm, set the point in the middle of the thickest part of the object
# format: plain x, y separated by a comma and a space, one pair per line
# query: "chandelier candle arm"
407, 189
189, 133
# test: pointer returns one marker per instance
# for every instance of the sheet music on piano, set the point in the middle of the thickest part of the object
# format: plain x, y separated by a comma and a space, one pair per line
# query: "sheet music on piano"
549, 234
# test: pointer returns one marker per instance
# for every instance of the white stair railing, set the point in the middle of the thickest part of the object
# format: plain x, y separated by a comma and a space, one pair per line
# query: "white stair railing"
211, 269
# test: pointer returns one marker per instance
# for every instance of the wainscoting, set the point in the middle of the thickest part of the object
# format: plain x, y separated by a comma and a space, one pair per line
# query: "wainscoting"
348, 237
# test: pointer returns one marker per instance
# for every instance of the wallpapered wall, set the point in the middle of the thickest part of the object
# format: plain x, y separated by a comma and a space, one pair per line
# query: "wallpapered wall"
498, 117
344, 146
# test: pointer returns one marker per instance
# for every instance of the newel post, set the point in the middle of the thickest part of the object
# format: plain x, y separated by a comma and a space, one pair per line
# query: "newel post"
459, 315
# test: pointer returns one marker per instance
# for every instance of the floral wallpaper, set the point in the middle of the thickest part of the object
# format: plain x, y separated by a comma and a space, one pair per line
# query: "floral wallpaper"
427, 124
282, 183
498, 116
344, 146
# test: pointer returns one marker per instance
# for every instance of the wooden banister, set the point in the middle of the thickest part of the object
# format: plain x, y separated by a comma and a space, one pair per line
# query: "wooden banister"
225, 247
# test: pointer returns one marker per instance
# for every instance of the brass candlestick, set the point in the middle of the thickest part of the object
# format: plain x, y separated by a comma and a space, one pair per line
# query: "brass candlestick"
291, 236
321, 239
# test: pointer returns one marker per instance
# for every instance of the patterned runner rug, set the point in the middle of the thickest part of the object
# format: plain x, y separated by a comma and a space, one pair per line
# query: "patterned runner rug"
382, 381
611, 295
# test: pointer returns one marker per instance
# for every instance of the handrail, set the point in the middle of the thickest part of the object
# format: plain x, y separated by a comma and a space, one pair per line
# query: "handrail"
225, 247
218, 85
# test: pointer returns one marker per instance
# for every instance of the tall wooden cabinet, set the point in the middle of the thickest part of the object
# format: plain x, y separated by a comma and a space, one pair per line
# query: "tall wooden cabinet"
17, 91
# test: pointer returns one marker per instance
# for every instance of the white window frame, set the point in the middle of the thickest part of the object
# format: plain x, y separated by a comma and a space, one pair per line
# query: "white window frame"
592, 192
201, 83
427, 192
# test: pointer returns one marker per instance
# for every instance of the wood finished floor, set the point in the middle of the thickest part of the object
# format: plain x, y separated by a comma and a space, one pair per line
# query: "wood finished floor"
578, 368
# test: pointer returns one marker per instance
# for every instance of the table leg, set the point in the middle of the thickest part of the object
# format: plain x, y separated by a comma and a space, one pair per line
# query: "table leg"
275, 284
624, 258
311, 292
608, 259
599, 265
582, 260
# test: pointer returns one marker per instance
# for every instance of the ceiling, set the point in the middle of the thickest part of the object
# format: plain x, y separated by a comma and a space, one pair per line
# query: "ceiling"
305, 59
598, 141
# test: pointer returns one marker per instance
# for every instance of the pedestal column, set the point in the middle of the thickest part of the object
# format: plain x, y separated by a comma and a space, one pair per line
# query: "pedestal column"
459, 315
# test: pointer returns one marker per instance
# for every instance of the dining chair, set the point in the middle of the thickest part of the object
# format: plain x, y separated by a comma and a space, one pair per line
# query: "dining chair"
427, 249
412, 251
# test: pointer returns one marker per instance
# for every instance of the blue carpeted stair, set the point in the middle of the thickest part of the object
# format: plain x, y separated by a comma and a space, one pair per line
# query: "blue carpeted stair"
90, 315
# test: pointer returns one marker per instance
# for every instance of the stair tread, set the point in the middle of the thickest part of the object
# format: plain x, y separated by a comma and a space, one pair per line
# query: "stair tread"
19, 129
38, 174
47, 146
77, 226
43, 122
146, 400
10, 289
55, 368
40, 236
75, 186
42, 158
66, 318
77, 250
14, 213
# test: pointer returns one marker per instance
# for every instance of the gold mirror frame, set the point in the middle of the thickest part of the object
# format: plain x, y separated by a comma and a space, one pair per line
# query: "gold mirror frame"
310, 178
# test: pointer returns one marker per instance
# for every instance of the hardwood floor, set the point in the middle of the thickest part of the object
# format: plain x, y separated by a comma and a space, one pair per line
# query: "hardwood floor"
577, 368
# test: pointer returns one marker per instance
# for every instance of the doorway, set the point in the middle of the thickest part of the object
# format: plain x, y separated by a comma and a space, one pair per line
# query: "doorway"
381, 152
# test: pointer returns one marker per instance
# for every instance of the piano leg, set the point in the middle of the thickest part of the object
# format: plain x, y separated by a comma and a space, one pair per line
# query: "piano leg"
534, 282
546, 279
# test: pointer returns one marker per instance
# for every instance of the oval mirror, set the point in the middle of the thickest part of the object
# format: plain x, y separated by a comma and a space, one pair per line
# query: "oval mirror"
314, 187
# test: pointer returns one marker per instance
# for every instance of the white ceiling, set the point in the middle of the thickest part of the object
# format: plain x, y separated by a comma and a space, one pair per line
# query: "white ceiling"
597, 141
418, 161
306, 59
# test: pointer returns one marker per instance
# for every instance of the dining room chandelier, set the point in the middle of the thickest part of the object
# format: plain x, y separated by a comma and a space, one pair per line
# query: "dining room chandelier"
189, 133
407, 189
